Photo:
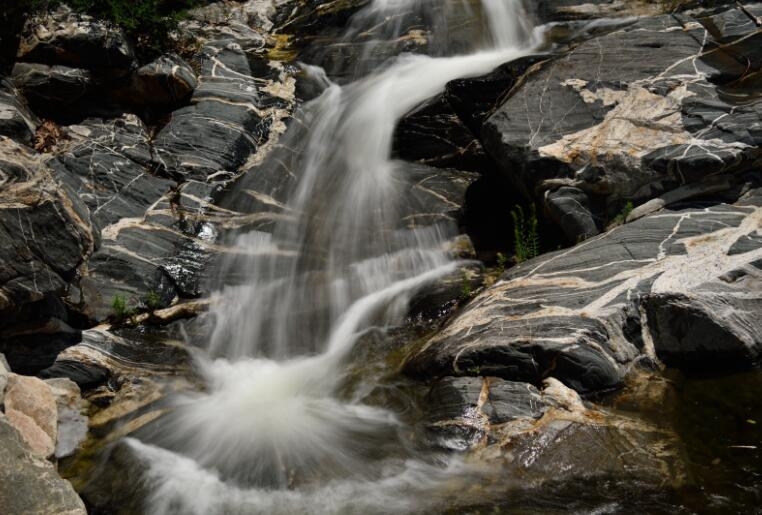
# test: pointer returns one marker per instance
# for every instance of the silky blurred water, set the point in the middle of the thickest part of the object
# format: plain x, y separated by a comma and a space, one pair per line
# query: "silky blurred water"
271, 432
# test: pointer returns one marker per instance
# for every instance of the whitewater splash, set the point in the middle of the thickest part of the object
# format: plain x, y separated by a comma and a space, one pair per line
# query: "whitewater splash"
271, 432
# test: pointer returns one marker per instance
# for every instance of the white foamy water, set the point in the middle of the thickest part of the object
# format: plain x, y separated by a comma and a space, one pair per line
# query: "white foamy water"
271, 434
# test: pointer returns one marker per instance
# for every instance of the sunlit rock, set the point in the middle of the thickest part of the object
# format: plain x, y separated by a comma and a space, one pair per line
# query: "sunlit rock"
587, 314
30, 484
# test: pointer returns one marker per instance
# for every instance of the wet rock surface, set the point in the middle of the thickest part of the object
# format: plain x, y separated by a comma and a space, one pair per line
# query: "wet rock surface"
616, 120
45, 228
587, 314
127, 181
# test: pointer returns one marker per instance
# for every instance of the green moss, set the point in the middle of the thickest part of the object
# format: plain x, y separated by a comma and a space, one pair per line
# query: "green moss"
526, 240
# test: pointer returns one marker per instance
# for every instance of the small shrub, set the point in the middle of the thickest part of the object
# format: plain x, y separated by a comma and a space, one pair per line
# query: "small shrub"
148, 23
526, 240
119, 307
621, 218
502, 260
152, 300
466, 290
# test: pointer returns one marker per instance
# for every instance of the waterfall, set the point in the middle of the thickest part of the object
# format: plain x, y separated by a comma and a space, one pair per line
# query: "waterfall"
270, 433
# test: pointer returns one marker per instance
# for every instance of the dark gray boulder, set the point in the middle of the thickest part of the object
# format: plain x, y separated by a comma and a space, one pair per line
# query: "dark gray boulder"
44, 229
103, 355
64, 38
16, 120
51, 86
161, 85
616, 120
640, 292
434, 195
224, 124
109, 163
433, 134
461, 410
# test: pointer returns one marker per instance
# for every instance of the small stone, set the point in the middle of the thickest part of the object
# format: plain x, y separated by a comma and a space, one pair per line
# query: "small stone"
5, 370
40, 443
32, 397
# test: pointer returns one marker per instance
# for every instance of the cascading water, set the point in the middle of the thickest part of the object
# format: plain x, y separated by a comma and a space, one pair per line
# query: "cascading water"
271, 432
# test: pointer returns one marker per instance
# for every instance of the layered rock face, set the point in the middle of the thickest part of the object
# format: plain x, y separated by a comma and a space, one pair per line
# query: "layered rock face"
681, 286
123, 183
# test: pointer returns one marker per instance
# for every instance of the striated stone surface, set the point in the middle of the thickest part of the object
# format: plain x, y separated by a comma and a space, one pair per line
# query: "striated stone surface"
29, 484
16, 121
102, 355
5, 370
433, 134
79, 41
168, 81
593, 9
617, 120
549, 434
43, 226
461, 411
225, 122
586, 314
109, 164
51, 88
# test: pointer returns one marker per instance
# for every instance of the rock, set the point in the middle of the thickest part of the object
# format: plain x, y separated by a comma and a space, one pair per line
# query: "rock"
708, 328
65, 38
565, 125
474, 99
460, 411
32, 397
165, 84
44, 229
167, 80
16, 120
570, 209
549, 434
433, 195
34, 339
109, 164
29, 484
433, 134
558, 10
51, 88
5, 369
223, 125
118, 484
588, 314
72, 423
40, 443
365, 41
103, 355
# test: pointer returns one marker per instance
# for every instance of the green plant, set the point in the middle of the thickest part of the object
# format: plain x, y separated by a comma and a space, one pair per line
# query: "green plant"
152, 300
621, 218
119, 307
148, 23
526, 243
502, 260
466, 290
